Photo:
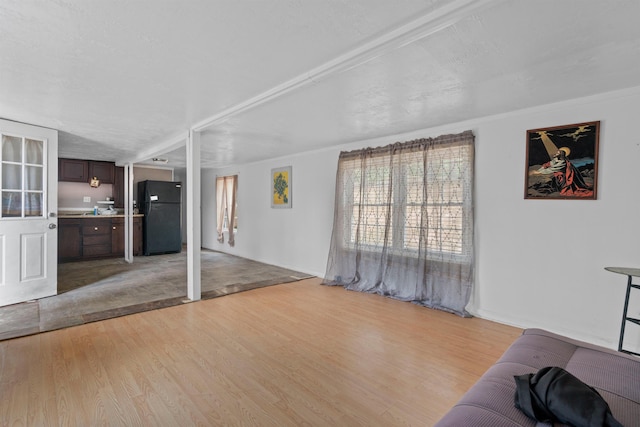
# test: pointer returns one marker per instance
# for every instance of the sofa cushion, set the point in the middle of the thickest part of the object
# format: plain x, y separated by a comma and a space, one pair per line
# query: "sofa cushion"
490, 402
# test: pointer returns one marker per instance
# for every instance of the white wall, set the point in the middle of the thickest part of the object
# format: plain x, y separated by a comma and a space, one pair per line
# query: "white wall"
71, 195
144, 172
539, 263
296, 238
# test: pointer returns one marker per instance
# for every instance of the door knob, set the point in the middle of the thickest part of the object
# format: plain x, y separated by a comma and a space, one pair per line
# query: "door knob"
52, 226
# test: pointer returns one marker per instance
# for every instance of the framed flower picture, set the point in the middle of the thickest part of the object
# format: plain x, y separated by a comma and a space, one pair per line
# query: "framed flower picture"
281, 187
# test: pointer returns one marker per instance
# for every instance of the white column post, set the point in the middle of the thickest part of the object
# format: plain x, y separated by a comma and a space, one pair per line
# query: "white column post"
193, 216
128, 212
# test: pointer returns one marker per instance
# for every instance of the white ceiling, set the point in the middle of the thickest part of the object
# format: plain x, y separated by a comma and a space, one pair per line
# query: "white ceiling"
126, 79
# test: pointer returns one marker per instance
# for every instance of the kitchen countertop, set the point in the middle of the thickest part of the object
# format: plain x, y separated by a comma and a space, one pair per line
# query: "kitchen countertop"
92, 216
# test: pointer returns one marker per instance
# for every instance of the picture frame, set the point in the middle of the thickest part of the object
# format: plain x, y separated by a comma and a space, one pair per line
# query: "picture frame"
562, 162
281, 187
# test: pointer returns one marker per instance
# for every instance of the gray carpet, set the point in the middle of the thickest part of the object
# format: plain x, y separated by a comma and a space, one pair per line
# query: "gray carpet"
95, 290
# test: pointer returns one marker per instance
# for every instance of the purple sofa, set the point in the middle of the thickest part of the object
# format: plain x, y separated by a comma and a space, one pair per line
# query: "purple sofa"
490, 402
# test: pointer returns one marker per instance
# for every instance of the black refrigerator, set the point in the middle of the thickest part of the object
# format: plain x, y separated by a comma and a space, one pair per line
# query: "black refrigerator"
160, 203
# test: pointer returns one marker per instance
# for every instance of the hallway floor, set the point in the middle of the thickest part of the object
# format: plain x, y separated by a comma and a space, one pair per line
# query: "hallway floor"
95, 290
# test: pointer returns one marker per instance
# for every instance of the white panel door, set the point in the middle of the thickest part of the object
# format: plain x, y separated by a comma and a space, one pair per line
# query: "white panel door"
28, 221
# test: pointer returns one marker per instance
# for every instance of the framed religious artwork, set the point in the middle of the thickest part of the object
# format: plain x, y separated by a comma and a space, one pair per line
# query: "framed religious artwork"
281, 181
562, 162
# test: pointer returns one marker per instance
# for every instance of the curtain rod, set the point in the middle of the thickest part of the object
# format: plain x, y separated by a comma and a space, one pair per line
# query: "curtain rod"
463, 137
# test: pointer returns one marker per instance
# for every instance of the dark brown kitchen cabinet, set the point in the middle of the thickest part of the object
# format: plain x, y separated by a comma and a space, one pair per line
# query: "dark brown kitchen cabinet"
118, 188
137, 236
85, 238
117, 236
96, 237
69, 239
104, 171
73, 170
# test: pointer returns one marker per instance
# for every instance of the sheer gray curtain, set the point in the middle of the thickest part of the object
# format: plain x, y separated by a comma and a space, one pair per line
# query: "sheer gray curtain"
403, 222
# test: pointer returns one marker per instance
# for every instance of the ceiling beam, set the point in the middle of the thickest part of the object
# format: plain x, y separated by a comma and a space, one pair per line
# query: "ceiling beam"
424, 26
166, 146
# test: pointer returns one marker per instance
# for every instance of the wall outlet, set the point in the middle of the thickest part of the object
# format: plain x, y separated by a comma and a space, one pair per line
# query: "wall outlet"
86, 199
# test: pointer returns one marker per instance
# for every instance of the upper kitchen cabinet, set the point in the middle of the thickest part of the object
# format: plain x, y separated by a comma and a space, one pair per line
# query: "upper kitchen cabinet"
118, 188
104, 171
73, 170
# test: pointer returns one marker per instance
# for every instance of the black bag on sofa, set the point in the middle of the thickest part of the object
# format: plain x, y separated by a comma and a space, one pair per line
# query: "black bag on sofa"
554, 395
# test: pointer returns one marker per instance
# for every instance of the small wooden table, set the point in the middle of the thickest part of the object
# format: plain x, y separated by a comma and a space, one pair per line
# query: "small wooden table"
630, 273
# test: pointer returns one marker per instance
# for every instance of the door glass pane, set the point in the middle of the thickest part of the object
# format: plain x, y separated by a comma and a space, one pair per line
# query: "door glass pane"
11, 177
22, 170
33, 204
34, 150
33, 178
11, 148
11, 203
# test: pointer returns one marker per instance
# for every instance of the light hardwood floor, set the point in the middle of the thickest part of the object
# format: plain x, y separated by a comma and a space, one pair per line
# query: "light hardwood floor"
287, 355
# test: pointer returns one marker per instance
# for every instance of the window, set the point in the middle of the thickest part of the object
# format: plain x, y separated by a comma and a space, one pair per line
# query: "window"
403, 222
227, 218
225, 221
394, 201
23, 177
